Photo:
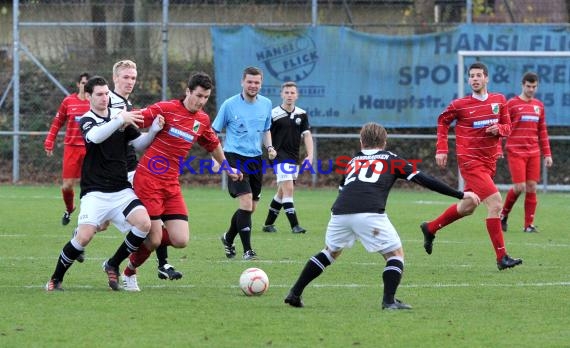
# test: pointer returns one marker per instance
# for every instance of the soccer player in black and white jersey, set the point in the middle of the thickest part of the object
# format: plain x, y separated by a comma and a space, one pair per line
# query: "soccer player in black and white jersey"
106, 194
359, 214
124, 80
289, 124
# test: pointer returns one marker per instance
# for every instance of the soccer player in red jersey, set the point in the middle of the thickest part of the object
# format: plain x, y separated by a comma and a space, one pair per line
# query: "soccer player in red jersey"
70, 111
156, 178
480, 120
528, 137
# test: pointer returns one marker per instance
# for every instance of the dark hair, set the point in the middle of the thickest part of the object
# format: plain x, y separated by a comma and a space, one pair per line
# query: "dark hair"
479, 65
251, 70
200, 79
94, 81
373, 135
84, 74
530, 76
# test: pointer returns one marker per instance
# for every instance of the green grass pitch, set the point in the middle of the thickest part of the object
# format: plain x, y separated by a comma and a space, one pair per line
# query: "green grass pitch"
460, 299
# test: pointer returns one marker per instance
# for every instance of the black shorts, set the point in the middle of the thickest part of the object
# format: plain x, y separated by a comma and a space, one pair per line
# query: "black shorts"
252, 169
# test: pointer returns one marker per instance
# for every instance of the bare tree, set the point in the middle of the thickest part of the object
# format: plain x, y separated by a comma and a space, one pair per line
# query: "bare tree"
423, 16
99, 32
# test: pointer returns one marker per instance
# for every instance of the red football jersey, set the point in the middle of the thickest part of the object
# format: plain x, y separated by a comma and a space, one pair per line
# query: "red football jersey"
528, 122
171, 145
472, 116
70, 111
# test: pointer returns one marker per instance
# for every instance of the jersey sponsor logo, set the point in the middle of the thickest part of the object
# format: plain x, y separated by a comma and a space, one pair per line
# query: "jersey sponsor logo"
485, 123
537, 110
495, 108
529, 118
181, 134
87, 125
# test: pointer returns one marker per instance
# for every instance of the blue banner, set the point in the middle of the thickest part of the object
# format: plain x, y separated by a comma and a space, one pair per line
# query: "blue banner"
347, 78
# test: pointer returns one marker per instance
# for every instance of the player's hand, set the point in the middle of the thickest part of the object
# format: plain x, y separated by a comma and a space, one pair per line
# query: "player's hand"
441, 159
235, 174
493, 129
271, 153
215, 165
49, 153
103, 226
472, 196
157, 123
132, 118
548, 161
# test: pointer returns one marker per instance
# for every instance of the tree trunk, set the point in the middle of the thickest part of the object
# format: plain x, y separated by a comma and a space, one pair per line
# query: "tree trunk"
127, 38
99, 33
423, 14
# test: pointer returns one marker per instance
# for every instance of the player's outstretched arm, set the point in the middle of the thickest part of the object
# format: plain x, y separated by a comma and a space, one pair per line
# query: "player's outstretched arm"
144, 140
436, 185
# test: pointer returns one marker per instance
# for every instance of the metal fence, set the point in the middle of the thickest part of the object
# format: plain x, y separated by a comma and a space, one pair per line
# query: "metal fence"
46, 44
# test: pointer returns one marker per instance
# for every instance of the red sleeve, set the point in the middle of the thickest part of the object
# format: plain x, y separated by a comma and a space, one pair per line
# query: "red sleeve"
443, 122
543, 135
58, 121
504, 119
209, 139
149, 113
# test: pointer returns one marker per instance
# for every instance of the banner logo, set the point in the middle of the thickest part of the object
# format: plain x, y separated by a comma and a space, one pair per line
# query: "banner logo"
289, 57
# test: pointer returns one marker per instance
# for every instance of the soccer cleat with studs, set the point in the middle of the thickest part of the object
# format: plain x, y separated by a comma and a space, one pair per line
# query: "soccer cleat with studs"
397, 304
530, 229
112, 275
269, 228
66, 218
250, 255
54, 285
294, 300
428, 238
229, 249
298, 229
130, 282
508, 262
168, 272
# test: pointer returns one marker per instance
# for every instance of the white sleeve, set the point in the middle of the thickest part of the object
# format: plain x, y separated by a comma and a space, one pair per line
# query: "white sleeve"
145, 139
98, 134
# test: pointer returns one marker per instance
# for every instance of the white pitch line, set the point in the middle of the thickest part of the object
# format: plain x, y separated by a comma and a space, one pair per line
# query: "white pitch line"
348, 286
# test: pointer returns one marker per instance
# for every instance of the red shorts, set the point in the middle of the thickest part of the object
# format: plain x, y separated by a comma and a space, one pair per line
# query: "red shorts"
524, 169
163, 199
478, 177
72, 161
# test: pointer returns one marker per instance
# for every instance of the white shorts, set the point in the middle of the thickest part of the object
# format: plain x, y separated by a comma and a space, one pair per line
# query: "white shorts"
286, 171
375, 232
99, 207
131, 176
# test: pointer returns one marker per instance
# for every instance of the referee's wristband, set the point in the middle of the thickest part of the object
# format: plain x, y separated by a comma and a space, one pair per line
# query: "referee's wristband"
270, 147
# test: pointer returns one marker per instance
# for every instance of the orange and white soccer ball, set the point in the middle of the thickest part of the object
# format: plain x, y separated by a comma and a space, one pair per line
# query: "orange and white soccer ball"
254, 282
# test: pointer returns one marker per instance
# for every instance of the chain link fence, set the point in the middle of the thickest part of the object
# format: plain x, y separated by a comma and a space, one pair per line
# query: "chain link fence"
58, 40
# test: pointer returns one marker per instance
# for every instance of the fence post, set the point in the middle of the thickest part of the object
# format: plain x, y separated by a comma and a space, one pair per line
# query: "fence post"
16, 91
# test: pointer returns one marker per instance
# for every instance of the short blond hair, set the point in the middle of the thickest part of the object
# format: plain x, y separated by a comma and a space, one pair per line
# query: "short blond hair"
123, 64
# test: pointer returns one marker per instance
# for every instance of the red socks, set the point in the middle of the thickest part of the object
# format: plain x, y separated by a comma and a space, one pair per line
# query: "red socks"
496, 235
165, 238
509, 202
136, 259
449, 215
530, 203
68, 196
